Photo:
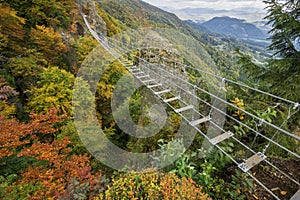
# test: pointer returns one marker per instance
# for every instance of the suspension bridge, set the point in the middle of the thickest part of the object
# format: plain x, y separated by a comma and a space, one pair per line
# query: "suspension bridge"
170, 87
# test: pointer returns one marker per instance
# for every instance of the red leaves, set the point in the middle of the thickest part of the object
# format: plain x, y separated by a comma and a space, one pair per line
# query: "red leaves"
14, 134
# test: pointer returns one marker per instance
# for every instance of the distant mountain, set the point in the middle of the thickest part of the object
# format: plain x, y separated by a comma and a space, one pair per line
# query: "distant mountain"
234, 27
250, 14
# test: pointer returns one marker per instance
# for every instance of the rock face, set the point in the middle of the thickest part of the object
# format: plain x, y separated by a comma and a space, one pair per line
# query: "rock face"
88, 7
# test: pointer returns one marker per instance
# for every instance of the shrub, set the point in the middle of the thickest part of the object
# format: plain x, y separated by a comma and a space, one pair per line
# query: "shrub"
152, 186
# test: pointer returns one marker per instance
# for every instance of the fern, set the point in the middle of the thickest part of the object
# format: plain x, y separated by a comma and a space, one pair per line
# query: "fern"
7, 92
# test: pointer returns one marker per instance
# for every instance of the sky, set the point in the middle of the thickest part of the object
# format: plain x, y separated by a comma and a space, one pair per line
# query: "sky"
250, 10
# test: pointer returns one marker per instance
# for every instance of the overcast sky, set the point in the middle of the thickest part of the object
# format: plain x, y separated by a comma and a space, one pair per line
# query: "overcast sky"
250, 10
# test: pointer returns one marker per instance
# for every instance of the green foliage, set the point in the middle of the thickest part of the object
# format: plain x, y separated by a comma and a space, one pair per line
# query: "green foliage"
83, 46
239, 186
168, 151
14, 165
70, 131
25, 70
21, 191
184, 167
55, 90
280, 74
284, 18
104, 91
212, 184
113, 25
78, 190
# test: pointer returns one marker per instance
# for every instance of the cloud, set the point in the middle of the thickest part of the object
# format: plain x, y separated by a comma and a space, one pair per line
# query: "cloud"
251, 9
224, 4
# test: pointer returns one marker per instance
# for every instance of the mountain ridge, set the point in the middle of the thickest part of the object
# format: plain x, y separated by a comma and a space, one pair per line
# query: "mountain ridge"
234, 27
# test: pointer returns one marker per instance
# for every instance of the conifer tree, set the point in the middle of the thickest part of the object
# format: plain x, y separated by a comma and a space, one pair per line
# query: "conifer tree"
281, 73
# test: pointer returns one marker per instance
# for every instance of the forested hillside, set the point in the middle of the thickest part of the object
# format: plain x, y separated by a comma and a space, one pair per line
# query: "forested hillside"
43, 45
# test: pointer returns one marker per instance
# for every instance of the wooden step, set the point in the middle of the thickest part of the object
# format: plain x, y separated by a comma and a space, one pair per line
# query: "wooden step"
172, 99
138, 73
134, 71
184, 109
154, 86
221, 138
148, 81
252, 161
200, 121
146, 76
162, 92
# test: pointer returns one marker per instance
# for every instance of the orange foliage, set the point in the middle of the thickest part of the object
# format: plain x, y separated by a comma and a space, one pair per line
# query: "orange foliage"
14, 134
60, 171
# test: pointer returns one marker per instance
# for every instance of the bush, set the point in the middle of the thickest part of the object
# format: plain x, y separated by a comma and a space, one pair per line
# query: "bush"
152, 186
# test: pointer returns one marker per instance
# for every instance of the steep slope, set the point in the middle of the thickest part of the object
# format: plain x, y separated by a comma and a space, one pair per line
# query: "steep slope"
136, 13
131, 14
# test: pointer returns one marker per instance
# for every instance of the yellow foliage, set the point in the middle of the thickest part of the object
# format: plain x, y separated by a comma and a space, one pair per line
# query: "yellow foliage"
239, 103
153, 186
7, 109
48, 42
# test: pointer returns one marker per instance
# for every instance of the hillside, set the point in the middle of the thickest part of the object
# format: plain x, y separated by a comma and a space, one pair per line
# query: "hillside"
46, 45
126, 12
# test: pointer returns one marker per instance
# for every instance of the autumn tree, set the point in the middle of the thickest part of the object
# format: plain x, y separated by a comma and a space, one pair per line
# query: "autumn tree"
83, 46
41, 165
41, 12
11, 32
54, 90
48, 42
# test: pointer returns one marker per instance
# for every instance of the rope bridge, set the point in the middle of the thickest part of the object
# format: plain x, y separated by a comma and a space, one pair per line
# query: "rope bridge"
169, 87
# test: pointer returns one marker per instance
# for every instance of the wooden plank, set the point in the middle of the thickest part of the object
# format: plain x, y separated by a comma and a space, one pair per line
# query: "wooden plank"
162, 92
184, 109
146, 76
138, 73
221, 138
154, 86
172, 99
252, 161
200, 121
148, 81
